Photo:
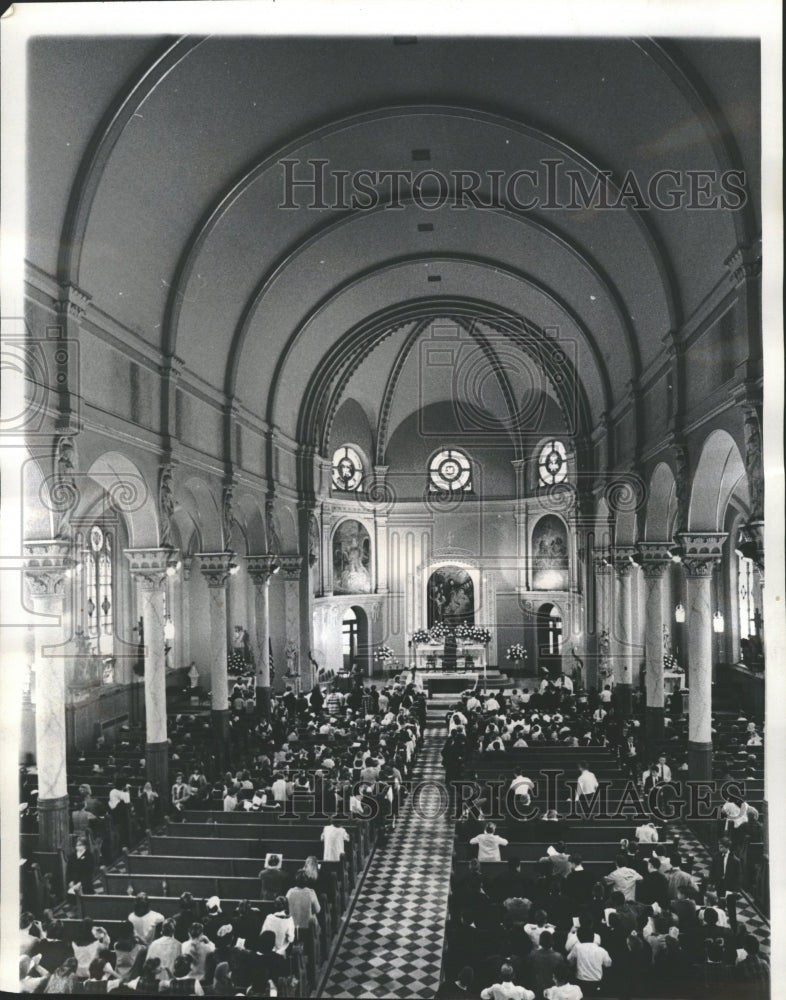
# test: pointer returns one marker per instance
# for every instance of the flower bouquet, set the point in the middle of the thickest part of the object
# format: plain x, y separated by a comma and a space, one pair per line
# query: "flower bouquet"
516, 652
480, 635
420, 636
384, 654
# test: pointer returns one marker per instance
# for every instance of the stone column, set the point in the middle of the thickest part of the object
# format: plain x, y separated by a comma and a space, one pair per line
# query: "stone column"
291, 572
215, 568
46, 564
656, 560
260, 570
702, 553
622, 638
148, 568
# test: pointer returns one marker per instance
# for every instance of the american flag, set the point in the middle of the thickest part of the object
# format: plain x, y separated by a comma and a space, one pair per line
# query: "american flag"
270, 658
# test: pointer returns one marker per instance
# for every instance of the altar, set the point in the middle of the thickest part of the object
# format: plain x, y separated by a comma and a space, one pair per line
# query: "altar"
469, 657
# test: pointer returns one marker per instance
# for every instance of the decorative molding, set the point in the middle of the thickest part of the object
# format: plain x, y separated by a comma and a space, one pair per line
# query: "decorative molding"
261, 568
148, 566
744, 262
702, 551
291, 566
215, 567
73, 301
46, 563
621, 557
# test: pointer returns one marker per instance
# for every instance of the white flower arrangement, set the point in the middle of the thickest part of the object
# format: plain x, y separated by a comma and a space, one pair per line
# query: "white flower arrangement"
480, 635
516, 652
384, 654
420, 636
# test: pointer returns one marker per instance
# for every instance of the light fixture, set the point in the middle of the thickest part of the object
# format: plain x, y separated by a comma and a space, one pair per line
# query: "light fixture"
679, 613
233, 568
676, 553
169, 629
717, 622
277, 568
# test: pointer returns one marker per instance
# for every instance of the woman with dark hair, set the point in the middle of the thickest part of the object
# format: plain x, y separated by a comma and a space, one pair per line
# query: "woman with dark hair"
183, 983
101, 977
149, 980
282, 925
130, 953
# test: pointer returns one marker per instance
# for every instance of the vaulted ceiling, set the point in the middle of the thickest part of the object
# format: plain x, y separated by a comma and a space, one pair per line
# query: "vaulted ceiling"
155, 184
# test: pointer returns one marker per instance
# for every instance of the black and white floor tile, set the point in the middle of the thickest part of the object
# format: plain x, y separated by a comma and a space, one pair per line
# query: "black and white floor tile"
747, 914
393, 943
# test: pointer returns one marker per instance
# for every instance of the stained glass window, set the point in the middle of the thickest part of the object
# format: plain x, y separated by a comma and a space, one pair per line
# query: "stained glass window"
450, 471
347, 469
553, 463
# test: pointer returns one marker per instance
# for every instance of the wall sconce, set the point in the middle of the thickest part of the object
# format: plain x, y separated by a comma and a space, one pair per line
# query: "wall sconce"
234, 568
169, 629
676, 553
718, 624
679, 614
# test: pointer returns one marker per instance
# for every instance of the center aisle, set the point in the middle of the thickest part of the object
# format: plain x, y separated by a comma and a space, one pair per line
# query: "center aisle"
392, 946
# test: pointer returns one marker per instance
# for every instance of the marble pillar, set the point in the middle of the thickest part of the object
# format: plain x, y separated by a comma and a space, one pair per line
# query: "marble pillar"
656, 560
46, 565
260, 570
291, 571
215, 568
622, 638
148, 568
702, 553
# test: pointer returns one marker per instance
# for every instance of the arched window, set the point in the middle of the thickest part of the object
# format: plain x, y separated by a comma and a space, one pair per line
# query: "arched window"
347, 469
97, 611
450, 471
552, 463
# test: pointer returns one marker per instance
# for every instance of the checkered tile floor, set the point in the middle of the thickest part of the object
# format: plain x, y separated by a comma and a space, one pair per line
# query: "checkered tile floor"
393, 944
747, 914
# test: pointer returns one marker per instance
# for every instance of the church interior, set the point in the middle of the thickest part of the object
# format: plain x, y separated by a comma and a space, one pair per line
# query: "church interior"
372, 381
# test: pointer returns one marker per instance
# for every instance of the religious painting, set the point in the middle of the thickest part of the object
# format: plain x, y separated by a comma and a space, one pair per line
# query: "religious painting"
451, 596
550, 554
351, 559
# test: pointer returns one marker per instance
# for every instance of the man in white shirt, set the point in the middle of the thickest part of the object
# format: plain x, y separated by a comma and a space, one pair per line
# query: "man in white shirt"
589, 959
563, 681
279, 787
605, 695
334, 837
587, 783
489, 844
647, 833
623, 879
562, 989
473, 705
506, 990
492, 705
521, 788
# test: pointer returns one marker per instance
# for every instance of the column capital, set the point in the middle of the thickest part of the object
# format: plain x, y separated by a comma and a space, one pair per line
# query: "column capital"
655, 557
149, 566
73, 301
290, 566
215, 567
261, 568
46, 563
702, 551
621, 557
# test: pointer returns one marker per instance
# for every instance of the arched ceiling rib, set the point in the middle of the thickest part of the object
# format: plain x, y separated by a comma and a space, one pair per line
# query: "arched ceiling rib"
171, 220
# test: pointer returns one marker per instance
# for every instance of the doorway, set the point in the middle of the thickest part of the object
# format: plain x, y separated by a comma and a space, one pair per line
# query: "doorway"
354, 639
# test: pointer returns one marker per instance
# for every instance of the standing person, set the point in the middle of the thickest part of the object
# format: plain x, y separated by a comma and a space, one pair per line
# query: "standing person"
563, 988
304, 906
282, 925
334, 838
180, 793
489, 844
726, 876
586, 785
623, 879
589, 959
